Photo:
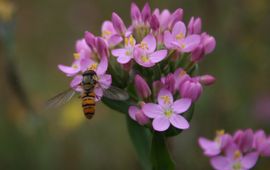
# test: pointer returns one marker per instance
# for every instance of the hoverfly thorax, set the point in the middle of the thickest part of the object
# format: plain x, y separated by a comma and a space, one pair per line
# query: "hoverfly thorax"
89, 80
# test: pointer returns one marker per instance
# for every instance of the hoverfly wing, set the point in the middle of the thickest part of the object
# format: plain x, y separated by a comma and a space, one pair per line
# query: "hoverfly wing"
60, 99
115, 93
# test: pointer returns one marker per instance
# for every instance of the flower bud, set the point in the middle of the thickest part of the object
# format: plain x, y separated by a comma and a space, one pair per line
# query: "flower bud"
90, 39
195, 26
168, 82
137, 114
197, 54
102, 47
154, 23
191, 89
207, 80
142, 87
146, 13
209, 43
118, 24
176, 16
135, 13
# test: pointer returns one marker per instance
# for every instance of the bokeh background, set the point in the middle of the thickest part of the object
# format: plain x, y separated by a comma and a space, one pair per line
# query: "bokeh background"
42, 34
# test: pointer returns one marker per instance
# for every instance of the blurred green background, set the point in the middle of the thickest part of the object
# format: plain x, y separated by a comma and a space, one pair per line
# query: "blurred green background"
44, 35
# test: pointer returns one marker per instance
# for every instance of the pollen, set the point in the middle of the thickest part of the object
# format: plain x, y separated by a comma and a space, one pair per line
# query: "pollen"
106, 33
220, 132
237, 155
75, 66
183, 46
145, 59
180, 36
168, 112
76, 56
182, 73
144, 45
166, 99
93, 66
128, 53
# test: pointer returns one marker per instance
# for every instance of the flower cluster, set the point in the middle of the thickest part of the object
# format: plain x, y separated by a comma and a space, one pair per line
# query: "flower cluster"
239, 151
154, 59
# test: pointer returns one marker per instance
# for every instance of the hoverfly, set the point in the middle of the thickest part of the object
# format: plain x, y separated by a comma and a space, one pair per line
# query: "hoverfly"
88, 84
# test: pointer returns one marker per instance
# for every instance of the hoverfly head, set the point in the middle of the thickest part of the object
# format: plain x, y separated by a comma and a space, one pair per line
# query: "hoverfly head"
89, 77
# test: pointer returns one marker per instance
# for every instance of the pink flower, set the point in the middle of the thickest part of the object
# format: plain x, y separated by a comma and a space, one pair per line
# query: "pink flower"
167, 112
124, 55
109, 34
163, 18
191, 88
104, 80
145, 53
137, 115
215, 147
178, 39
142, 87
206, 46
262, 143
234, 159
168, 82
195, 26
180, 76
244, 140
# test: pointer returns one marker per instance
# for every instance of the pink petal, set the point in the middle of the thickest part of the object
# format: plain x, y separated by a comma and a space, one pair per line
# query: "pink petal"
81, 45
168, 39
114, 40
132, 111
68, 70
103, 65
119, 52
151, 42
99, 93
161, 123
181, 105
152, 110
179, 28
179, 121
165, 98
85, 63
249, 160
158, 56
123, 59
210, 147
76, 81
190, 43
108, 26
220, 163
105, 81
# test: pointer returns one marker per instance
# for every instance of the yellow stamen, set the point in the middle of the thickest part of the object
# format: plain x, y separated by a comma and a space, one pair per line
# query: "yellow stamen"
131, 41
183, 46
237, 155
180, 36
144, 46
93, 66
166, 99
237, 166
220, 132
106, 33
76, 56
128, 53
182, 73
75, 66
168, 113
144, 59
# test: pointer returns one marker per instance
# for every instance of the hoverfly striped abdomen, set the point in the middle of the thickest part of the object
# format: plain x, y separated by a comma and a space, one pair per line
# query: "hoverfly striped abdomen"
88, 104
88, 96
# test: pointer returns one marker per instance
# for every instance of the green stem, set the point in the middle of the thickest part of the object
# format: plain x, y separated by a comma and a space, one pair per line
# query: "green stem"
160, 156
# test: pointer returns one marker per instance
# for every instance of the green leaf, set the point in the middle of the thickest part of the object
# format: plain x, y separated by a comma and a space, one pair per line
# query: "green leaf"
120, 106
141, 138
160, 155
